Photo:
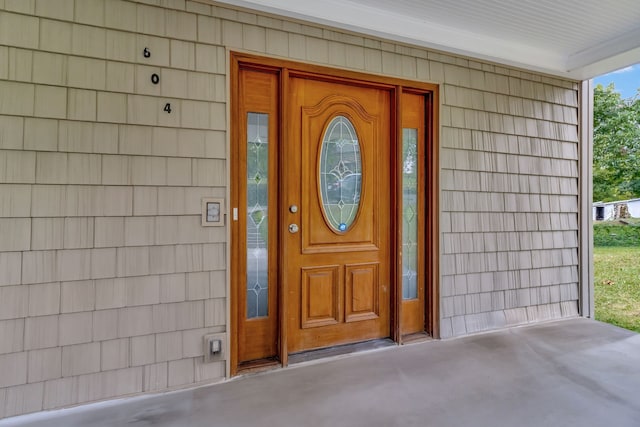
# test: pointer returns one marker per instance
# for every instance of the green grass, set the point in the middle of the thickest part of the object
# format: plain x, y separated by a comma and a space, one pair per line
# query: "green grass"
617, 286
616, 233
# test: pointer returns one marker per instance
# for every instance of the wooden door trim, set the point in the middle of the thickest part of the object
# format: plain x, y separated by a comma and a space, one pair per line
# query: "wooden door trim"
238, 247
397, 86
333, 74
233, 225
432, 248
285, 106
432, 198
396, 269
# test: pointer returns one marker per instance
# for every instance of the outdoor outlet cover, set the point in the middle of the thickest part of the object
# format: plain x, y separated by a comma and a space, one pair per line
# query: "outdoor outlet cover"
214, 347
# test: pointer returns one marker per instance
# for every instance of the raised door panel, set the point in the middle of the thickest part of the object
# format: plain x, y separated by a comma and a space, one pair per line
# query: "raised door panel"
320, 303
362, 292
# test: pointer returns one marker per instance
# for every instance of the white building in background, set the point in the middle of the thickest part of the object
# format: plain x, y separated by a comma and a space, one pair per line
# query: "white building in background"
607, 211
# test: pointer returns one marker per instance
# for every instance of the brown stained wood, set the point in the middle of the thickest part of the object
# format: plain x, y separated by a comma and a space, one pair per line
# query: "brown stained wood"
299, 95
320, 299
259, 365
313, 71
314, 104
285, 113
257, 338
235, 243
413, 310
396, 296
433, 225
362, 295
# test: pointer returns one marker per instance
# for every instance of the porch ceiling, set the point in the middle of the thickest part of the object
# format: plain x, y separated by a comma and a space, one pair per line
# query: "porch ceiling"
577, 39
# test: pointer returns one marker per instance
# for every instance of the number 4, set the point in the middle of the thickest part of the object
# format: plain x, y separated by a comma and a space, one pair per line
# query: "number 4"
167, 108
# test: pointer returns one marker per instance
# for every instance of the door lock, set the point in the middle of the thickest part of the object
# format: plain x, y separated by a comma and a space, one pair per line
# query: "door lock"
293, 228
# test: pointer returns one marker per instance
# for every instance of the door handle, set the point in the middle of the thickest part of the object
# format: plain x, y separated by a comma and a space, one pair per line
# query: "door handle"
293, 228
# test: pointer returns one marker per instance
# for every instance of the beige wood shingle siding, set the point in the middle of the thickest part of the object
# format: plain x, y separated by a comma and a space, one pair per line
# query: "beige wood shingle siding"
509, 200
107, 280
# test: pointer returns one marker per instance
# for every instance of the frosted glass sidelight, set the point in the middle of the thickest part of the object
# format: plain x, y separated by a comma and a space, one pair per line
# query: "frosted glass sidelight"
340, 171
409, 213
257, 215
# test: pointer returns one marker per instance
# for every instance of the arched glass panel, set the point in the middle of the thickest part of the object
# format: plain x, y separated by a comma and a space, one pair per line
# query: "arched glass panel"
340, 173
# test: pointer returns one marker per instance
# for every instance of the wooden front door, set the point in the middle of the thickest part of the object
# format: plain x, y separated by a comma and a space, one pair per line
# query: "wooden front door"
333, 209
337, 213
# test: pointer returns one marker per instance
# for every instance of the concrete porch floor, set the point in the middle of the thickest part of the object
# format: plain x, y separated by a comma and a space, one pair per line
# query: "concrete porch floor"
574, 372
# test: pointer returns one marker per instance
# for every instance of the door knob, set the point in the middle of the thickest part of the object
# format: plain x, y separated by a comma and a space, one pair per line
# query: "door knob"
293, 208
293, 228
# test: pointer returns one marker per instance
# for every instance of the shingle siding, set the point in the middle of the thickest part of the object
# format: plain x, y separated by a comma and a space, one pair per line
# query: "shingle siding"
102, 259
509, 179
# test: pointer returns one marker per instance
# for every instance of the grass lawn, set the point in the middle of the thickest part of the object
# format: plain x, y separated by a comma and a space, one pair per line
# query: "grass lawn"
617, 286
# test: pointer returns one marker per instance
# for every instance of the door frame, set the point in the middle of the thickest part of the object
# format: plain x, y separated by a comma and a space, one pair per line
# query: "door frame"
397, 87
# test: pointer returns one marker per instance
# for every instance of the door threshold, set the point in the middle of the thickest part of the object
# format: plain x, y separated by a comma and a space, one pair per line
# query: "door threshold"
256, 366
416, 338
339, 350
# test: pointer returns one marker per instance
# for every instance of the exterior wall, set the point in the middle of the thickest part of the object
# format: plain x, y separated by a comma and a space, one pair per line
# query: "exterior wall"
509, 196
633, 208
107, 280
608, 211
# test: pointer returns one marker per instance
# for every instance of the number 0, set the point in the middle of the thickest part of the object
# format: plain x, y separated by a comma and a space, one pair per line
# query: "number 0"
167, 108
155, 79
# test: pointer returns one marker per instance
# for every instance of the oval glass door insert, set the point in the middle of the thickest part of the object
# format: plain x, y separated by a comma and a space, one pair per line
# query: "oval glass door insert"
340, 170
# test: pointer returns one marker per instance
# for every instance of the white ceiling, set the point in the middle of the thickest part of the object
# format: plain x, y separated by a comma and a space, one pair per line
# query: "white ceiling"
578, 39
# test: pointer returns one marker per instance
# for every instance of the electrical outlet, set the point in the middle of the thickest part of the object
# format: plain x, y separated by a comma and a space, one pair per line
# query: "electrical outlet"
214, 347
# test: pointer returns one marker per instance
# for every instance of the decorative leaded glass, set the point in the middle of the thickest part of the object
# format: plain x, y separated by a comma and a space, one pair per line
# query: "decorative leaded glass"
340, 173
409, 213
257, 216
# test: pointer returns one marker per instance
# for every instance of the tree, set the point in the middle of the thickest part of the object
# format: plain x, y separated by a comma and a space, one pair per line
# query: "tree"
616, 145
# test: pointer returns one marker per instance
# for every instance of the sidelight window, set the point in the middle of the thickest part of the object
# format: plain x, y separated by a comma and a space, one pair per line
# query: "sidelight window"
257, 215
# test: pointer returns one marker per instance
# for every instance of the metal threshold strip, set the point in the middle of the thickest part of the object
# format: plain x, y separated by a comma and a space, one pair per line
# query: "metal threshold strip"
340, 350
